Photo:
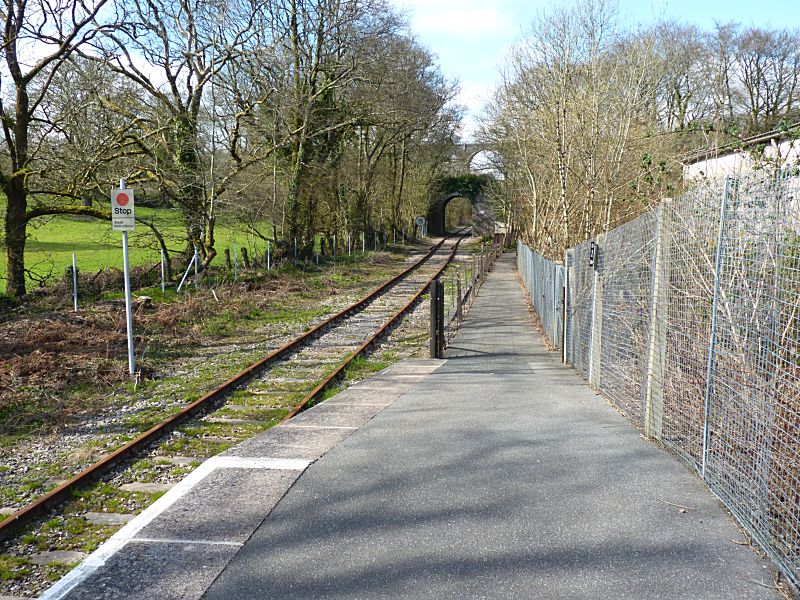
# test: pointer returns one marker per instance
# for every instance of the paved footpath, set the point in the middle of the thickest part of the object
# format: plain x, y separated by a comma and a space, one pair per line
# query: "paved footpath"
493, 474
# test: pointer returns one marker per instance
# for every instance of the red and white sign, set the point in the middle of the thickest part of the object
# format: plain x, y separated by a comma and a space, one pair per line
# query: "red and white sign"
122, 218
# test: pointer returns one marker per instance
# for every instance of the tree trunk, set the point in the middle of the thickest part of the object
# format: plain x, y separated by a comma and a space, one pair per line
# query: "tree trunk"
17, 198
15, 228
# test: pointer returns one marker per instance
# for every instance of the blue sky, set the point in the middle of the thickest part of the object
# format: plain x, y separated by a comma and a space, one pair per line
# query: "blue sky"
472, 37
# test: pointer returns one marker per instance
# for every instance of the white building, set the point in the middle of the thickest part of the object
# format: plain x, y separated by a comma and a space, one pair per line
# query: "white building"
779, 150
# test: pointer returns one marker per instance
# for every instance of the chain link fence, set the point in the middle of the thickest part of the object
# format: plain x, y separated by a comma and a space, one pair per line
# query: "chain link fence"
688, 319
545, 283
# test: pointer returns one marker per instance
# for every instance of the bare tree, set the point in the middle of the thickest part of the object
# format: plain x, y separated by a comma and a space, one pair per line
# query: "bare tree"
170, 50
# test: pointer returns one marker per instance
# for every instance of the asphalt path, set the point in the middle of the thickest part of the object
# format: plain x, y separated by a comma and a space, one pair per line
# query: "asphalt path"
500, 475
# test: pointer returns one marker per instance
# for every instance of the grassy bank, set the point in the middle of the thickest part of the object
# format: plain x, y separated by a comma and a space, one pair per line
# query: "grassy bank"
53, 240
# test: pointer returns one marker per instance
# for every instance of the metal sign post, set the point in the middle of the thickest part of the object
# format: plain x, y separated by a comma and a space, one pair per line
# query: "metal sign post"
163, 277
122, 219
74, 282
420, 222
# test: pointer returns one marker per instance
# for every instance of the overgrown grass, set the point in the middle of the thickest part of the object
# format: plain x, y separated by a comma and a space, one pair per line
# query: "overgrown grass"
13, 567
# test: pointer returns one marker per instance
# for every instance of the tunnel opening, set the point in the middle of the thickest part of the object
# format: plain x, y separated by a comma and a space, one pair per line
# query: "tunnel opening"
457, 213
470, 190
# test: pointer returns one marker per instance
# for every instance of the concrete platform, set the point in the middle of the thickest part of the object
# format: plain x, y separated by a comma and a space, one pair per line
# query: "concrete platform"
180, 544
493, 474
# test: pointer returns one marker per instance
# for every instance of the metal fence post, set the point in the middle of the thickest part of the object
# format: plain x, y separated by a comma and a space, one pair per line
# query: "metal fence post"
196, 269
74, 282
163, 278
567, 354
434, 291
440, 320
712, 342
563, 317
597, 317
654, 378
459, 310
553, 290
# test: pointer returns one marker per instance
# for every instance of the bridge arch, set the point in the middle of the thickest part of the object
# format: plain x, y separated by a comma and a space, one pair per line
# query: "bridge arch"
471, 187
464, 154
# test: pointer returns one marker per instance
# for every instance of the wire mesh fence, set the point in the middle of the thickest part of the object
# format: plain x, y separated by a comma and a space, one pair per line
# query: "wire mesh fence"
544, 281
688, 319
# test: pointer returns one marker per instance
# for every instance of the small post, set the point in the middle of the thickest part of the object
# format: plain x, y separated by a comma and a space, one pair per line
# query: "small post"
295, 247
334, 248
196, 269
434, 343
394, 236
349, 245
403, 239
235, 262
376, 241
440, 321
74, 283
459, 312
186, 273
363, 242
163, 273
269, 255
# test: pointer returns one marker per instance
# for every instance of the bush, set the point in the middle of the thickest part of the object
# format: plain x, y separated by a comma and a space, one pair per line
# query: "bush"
7, 302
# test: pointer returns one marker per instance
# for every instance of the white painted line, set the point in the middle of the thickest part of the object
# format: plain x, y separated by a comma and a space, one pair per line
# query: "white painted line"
243, 462
128, 533
320, 427
384, 405
177, 541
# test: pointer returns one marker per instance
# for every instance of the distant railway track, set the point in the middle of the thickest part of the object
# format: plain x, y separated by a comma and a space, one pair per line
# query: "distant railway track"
277, 387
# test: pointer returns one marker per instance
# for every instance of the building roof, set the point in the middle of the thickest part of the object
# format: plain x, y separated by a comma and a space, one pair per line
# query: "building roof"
733, 147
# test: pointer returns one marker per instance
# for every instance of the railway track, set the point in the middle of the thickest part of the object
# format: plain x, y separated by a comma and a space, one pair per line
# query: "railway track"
276, 388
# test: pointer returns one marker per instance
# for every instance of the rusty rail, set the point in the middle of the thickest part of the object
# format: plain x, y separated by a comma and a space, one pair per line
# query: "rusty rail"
15, 521
339, 370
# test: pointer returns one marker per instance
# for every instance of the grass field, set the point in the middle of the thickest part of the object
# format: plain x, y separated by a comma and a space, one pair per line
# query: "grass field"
52, 240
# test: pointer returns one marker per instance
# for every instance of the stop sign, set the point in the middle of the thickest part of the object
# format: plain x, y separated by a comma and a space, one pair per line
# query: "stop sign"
122, 207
